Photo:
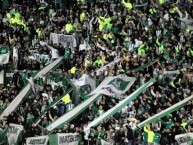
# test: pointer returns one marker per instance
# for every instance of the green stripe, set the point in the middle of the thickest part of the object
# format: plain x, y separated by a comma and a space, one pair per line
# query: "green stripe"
144, 66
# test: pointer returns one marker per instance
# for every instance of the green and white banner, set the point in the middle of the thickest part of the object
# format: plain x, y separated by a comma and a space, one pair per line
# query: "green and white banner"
103, 142
2, 73
171, 72
64, 139
39, 140
122, 104
184, 139
14, 134
66, 118
3, 137
108, 65
85, 80
4, 58
14, 104
63, 39
165, 112
114, 85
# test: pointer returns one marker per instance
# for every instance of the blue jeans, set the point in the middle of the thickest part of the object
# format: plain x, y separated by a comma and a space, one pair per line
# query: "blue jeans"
131, 142
144, 143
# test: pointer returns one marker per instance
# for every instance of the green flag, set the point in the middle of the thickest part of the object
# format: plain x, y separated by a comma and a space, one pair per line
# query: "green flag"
3, 137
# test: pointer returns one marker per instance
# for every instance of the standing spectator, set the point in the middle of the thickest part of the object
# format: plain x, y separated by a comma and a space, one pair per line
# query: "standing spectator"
15, 56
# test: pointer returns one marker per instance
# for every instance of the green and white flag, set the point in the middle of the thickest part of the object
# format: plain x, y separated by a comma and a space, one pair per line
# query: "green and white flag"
3, 137
103, 142
4, 58
14, 134
108, 65
39, 140
64, 139
22, 94
184, 139
85, 80
114, 85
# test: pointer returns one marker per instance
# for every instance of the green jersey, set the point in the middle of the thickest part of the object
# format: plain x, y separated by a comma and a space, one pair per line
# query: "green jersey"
157, 137
102, 135
145, 136
67, 53
93, 135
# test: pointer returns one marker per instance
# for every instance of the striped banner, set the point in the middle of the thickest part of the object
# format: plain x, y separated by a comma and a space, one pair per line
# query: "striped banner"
16, 102
122, 104
145, 66
66, 118
51, 105
165, 112
108, 65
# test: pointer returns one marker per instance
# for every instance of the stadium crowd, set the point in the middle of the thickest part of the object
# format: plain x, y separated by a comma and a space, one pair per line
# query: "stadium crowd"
153, 32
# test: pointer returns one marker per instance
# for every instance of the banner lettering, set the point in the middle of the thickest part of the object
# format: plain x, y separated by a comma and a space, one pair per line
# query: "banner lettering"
40, 140
184, 139
68, 139
4, 58
114, 85
14, 133
63, 39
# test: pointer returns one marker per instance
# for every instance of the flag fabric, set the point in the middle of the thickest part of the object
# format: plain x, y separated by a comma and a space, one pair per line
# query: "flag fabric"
114, 85
14, 134
4, 58
3, 137
85, 80
39, 140
64, 139
184, 139
103, 142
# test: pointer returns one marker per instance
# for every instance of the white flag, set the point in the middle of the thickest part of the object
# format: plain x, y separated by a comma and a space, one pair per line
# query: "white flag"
4, 58
13, 133
103, 142
39, 140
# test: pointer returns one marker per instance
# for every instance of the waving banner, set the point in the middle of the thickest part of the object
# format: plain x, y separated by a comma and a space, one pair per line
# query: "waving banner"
14, 134
63, 39
165, 112
108, 65
39, 140
103, 142
114, 85
184, 139
2, 76
85, 80
4, 58
64, 139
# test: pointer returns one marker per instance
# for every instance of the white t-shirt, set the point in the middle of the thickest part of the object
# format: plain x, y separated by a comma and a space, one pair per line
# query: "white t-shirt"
138, 43
133, 124
86, 133
82, 47
55, 53
15, 52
